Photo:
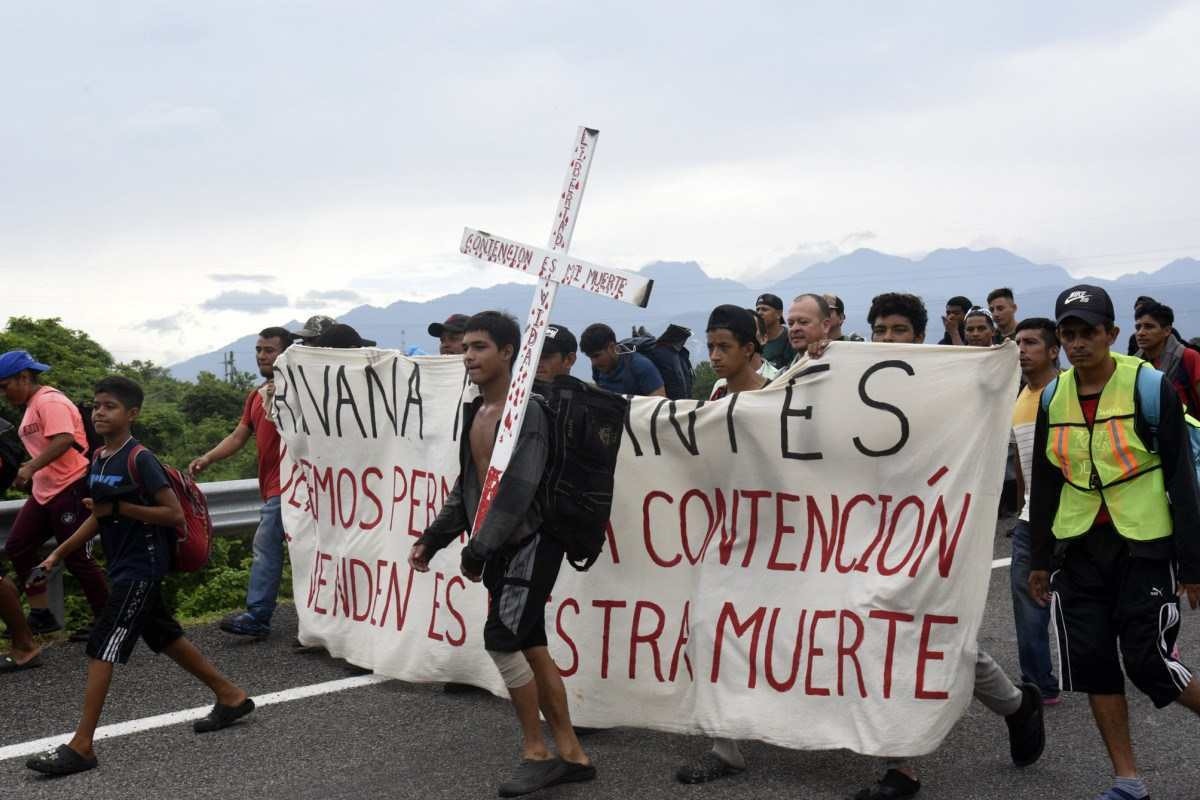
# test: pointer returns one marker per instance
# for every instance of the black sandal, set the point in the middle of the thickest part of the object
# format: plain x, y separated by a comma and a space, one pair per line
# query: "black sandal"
10, 664
708, 767
61, 761
577, 773
222, 716
532, 775
894, 785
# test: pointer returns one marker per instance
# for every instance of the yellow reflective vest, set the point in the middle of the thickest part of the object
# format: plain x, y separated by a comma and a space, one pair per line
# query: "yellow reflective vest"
1106, 462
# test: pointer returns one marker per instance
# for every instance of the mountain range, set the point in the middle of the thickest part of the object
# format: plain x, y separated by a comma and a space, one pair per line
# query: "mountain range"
684, 294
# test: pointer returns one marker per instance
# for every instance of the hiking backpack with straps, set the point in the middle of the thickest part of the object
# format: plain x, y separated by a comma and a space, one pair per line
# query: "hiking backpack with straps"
1149, 402
674, 363
193, 539
586, 424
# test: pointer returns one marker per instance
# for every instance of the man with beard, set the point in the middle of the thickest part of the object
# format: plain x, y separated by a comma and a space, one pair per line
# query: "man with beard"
267, 566
777, 349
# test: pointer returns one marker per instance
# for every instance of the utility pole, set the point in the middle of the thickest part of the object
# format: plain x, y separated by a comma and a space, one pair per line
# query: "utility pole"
230, 369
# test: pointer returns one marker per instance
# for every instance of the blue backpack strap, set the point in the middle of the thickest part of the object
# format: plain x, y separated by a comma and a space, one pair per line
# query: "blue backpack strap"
1048, 394
1149, 395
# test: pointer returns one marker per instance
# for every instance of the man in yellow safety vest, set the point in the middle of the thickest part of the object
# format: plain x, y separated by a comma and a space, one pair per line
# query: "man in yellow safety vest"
1115, 512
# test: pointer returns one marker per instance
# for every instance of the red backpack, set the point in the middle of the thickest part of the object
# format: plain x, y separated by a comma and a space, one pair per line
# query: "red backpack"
193, 542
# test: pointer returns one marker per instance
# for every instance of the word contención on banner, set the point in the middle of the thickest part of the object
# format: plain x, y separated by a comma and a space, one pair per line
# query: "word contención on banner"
805, 565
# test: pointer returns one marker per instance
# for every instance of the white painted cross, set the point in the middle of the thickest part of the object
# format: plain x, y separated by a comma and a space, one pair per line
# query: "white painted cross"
553, 268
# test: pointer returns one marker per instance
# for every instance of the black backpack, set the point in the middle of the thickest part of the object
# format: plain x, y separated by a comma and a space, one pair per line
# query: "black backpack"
674, 363
586, 424
12, 454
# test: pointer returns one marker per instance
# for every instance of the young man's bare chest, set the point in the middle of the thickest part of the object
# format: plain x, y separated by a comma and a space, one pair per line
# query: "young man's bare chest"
483, 437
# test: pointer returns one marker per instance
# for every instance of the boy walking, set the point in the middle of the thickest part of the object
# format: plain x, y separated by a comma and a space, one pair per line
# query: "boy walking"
135, 511
516, 560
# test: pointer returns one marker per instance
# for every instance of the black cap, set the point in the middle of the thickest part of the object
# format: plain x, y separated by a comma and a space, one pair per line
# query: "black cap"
342, 336
735, 319
771, 300
455, 323
1089, 303
835, 303
559, 340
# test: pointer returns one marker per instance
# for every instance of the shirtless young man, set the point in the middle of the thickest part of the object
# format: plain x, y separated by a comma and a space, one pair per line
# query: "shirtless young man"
515, 559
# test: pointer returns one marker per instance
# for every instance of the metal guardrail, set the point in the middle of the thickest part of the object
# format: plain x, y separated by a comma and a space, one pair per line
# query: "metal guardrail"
233, 505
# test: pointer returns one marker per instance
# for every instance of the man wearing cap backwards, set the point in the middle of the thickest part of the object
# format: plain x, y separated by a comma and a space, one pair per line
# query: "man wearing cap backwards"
450, 334
979, 328
777, 350
1115, 513
314, 327
267, 567
56, 475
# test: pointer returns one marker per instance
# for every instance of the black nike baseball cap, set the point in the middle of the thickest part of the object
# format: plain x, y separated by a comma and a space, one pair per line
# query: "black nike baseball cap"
1086, 302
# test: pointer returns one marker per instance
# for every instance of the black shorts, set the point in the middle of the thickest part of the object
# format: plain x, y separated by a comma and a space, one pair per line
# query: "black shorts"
519, 585
135, 608
1105, 606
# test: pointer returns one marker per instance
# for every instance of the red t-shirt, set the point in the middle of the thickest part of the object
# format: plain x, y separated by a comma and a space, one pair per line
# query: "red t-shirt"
266, 439
1186, 378
1089, 404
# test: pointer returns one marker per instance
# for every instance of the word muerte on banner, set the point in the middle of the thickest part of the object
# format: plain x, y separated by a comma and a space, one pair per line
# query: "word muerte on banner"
553, 268
806, 564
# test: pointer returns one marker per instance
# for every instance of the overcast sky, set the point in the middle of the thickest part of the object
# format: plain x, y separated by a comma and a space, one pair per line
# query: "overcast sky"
174, 175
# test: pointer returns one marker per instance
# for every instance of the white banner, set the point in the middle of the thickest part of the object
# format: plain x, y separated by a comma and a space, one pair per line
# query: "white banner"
805, 565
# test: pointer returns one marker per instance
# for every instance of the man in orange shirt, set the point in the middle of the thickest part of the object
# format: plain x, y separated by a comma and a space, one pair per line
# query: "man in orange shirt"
53, 434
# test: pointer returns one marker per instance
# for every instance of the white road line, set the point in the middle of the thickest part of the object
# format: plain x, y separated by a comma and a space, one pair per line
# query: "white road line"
176, 717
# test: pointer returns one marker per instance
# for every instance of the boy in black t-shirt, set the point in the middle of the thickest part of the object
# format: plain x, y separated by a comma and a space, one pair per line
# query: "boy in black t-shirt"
135, 515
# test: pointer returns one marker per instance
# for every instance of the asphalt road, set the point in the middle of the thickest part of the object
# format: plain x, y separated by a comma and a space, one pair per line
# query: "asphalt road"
398, 740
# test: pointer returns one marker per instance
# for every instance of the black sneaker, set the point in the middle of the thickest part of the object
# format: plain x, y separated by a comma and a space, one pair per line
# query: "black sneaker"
41, 621
1027, 728
894, 785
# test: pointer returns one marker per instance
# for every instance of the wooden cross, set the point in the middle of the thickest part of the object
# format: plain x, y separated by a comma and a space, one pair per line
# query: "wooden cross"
554, 268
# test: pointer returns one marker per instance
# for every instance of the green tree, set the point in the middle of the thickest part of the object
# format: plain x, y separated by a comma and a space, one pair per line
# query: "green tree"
76, 361
179, 421
703, 380
210, 397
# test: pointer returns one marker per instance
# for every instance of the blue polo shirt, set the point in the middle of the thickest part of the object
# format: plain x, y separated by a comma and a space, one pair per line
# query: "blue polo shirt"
634, 374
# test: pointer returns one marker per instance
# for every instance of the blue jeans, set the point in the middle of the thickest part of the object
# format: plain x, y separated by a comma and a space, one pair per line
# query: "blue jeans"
267, 567
1032, 620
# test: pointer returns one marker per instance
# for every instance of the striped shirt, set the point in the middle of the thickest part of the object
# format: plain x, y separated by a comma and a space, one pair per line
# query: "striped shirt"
1023, 422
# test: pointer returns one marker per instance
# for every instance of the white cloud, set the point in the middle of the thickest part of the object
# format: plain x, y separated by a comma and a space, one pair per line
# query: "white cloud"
160, 141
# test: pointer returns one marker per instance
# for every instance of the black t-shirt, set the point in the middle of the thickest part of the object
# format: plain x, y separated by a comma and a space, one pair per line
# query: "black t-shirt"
778, 352
135, 551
